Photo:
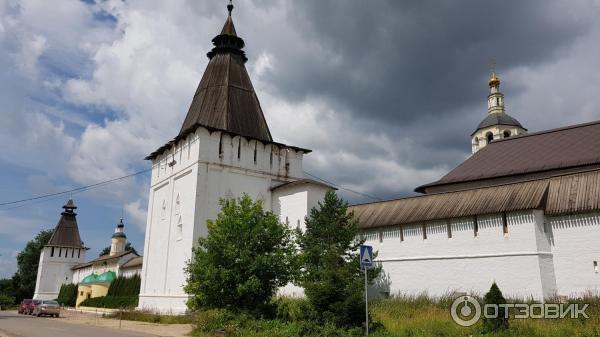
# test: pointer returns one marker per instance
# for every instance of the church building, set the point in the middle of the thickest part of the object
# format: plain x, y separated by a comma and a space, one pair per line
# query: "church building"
523, 211
224, 149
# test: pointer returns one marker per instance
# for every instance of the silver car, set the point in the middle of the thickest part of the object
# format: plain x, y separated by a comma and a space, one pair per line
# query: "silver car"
46, 307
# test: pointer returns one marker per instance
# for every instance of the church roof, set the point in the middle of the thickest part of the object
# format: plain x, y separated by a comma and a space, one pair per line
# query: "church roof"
66, 232
568, 148
225, 99
558, 195
498, 119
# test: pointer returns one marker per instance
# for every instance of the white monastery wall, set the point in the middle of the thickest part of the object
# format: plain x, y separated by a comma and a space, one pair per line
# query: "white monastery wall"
56, 263
574, 240
186, 185
461, 261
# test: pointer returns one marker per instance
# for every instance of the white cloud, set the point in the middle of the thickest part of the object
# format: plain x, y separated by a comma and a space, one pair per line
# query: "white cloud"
137, 214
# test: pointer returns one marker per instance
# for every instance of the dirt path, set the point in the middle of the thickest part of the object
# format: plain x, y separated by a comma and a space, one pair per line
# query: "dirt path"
163, 330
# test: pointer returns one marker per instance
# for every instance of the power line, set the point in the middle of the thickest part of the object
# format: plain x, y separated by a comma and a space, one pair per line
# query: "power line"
76, 190
343, 188
45, 197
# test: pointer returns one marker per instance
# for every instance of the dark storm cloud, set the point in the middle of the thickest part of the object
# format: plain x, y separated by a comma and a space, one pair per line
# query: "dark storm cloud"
401, 61
414, 71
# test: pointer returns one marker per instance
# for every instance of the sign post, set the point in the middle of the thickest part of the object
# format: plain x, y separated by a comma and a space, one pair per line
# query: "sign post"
366, 262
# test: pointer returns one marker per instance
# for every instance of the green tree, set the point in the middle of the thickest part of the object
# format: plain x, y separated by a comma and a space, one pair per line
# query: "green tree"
27, 266
332, 279
128, 248
67, 295
495, 324
246, 256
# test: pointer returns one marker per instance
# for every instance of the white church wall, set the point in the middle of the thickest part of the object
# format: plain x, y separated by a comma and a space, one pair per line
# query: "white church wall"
439, 264
574, 241
56, 263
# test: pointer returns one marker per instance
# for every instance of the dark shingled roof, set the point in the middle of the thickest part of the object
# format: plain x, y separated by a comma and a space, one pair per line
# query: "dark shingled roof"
66, 232
560, 195
498, 119
225, 98
557, 149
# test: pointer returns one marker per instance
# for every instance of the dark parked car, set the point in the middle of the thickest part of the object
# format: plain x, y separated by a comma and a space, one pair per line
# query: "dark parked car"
46, 307
22, 309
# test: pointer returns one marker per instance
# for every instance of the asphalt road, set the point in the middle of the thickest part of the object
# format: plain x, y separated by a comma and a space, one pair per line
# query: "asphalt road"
14, 325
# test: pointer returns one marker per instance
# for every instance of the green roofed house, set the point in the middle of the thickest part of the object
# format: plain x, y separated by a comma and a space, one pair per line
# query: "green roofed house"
94, 277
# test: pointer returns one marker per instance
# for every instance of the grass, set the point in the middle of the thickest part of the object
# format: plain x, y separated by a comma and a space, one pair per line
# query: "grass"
150, 317
408, 316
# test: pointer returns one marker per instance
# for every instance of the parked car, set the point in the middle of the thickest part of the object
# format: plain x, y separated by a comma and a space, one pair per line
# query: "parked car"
29, 307
46, 307
22, 309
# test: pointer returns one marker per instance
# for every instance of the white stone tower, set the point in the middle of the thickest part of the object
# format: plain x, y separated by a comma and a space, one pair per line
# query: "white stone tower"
224, 149
63, 251
118, 240
497, 124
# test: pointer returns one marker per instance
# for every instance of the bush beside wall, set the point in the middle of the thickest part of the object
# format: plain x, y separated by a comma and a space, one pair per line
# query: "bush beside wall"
111, 302
67, 295
125, 286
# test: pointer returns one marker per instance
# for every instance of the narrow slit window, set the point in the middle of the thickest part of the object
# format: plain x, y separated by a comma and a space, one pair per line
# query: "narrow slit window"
449, 229
239, 148
298, 225
380, 236
78, 253
271, 158
505, 224
73, 253
401, 233
475, 227
424, 232
287, 220
596, 267
221, 146
52, 252
59, 252
255, 150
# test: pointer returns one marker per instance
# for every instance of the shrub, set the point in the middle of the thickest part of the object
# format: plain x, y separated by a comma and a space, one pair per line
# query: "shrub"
494, 296
112, 302
293, 309
6, 300
67, 295
125, 286
246, 256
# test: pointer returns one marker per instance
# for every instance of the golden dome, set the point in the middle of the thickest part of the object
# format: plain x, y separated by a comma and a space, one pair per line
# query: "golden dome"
494, 80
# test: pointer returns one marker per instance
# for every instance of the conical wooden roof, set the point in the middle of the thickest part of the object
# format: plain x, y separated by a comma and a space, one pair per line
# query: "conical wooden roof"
66, 232
225, 99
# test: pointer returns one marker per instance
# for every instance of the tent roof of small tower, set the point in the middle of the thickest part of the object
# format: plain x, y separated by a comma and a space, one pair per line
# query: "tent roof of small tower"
103, 258
557, 149
302, 181
66, 232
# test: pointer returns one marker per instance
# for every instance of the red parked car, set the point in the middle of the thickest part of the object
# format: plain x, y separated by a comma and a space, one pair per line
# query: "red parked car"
22, 309
30, 306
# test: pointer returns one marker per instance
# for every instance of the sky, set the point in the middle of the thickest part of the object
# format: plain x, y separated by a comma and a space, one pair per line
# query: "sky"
386, 93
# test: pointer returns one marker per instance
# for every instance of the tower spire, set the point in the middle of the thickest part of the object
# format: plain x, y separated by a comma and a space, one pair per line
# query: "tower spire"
495, 98
230, 7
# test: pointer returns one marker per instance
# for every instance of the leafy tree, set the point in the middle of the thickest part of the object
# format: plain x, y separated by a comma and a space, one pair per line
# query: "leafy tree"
6, 300
246, 256
27, 266
332, 279
494, 296
128, 248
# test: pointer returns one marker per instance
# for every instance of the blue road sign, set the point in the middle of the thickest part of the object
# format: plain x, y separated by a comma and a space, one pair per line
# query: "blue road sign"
366, 256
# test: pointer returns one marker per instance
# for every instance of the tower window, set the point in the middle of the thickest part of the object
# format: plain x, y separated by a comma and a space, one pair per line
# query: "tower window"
489, 137
255, 149
504, 224
596, 267
449, 229
401, 233
52, 252
239, 148
59, 252
506, 133
424, 232
475, 227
